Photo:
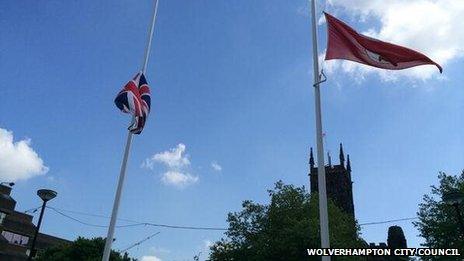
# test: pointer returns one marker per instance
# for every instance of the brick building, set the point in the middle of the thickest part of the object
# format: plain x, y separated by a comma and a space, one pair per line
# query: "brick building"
17, 230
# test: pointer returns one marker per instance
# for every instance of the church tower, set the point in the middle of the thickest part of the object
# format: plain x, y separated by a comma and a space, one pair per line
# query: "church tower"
338, 181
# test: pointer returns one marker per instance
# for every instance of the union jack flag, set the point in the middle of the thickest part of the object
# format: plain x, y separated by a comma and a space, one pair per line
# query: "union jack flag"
135, 99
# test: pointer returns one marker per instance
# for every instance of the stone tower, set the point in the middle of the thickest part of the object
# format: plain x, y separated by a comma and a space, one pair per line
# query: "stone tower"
338, 181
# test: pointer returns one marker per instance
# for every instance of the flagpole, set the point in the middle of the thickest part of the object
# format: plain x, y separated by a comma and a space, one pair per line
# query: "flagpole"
122, 174
323, 213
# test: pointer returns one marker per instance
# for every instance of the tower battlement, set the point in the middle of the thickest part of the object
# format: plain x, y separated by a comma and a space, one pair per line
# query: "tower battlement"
338, 181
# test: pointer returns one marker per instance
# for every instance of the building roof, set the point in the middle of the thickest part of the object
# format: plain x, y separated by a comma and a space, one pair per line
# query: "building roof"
20, 223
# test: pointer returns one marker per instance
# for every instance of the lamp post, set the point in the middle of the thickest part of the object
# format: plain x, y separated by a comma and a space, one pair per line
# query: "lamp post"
45, 195
11, 184
455, 198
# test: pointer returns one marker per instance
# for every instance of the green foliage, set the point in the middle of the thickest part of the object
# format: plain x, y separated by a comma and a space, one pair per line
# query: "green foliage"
396, 238
438, 223
283, 229
81, 249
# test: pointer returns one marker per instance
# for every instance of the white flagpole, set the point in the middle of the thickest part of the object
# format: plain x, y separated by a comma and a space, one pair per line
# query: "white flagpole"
323, 213
122, 174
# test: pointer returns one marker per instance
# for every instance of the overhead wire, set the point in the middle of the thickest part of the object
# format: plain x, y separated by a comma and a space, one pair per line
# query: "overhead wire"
32, 210
138, 223
387, 221
92, 215
140, 242
90, 224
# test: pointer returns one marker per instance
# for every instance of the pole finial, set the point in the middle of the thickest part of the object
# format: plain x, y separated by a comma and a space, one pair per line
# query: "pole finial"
329, 158
348, 164
342, 155
311, 158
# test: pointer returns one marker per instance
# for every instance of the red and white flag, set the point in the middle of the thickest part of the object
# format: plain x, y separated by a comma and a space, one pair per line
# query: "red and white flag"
345, 43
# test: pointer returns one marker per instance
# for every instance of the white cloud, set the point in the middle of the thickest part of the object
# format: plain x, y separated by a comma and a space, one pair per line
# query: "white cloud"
173, 158
177, 166
150, 258
428, 26
178, 179
215, 166
18, 161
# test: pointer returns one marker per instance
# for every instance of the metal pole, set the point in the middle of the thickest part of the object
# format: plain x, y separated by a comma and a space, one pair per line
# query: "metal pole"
31, 253
150, 37
122, 174
114, 214
323, 213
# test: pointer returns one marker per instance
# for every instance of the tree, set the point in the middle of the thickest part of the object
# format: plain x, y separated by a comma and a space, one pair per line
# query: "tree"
283, 229
396, 238
438, 223
81, 249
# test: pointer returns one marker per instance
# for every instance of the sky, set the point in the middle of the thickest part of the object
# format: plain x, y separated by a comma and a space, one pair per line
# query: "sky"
232, 112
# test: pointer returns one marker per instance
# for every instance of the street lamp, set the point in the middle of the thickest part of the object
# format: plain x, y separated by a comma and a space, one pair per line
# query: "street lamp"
11, 184
455, 198
45, 195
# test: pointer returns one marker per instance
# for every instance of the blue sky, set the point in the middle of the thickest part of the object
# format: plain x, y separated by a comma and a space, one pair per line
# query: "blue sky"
231, 83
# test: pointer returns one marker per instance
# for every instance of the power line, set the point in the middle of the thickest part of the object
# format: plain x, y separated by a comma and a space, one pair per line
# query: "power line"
140, 242
32, 210
387, 221
136, 223
92, 215
89, 224
186, 227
